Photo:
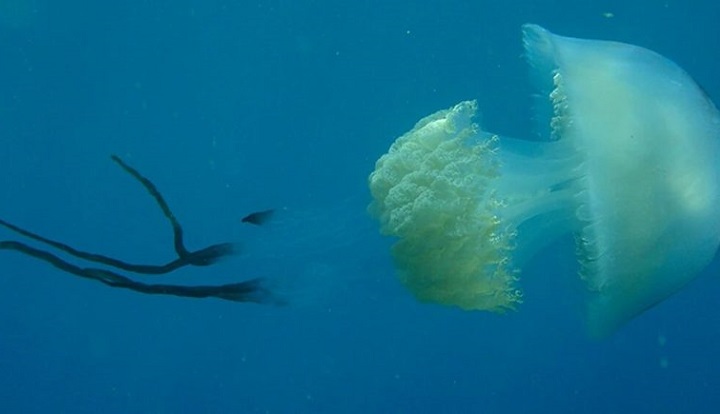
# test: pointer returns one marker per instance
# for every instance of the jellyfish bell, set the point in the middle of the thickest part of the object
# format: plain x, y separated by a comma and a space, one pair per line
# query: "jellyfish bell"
631, 166
650, 143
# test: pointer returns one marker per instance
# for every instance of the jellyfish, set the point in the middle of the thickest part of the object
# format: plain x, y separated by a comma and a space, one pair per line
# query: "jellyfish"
629, 164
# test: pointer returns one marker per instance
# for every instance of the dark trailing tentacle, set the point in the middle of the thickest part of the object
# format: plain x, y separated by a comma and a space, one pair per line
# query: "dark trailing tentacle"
253, 290
203, 257
98, 258
150, 187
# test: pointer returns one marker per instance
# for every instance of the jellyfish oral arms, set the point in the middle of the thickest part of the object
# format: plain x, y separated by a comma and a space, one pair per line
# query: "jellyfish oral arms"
469, 208
434, 190
630, 165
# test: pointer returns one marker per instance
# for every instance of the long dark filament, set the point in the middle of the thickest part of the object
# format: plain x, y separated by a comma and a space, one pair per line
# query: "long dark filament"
202, 257
253, 290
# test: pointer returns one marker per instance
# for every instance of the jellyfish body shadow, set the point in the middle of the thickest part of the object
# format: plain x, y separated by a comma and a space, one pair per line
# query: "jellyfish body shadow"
255, 290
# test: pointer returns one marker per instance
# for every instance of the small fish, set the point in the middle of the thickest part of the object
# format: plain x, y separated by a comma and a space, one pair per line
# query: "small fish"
258, 218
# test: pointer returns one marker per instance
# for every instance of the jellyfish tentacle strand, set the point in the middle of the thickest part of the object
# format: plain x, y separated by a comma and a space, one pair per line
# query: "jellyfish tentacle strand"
255, 290
202, 257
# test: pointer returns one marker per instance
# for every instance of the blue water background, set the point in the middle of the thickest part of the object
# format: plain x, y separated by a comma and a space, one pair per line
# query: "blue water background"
236, 106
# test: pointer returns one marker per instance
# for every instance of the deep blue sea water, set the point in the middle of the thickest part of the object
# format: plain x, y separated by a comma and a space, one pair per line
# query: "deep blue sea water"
237, 106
